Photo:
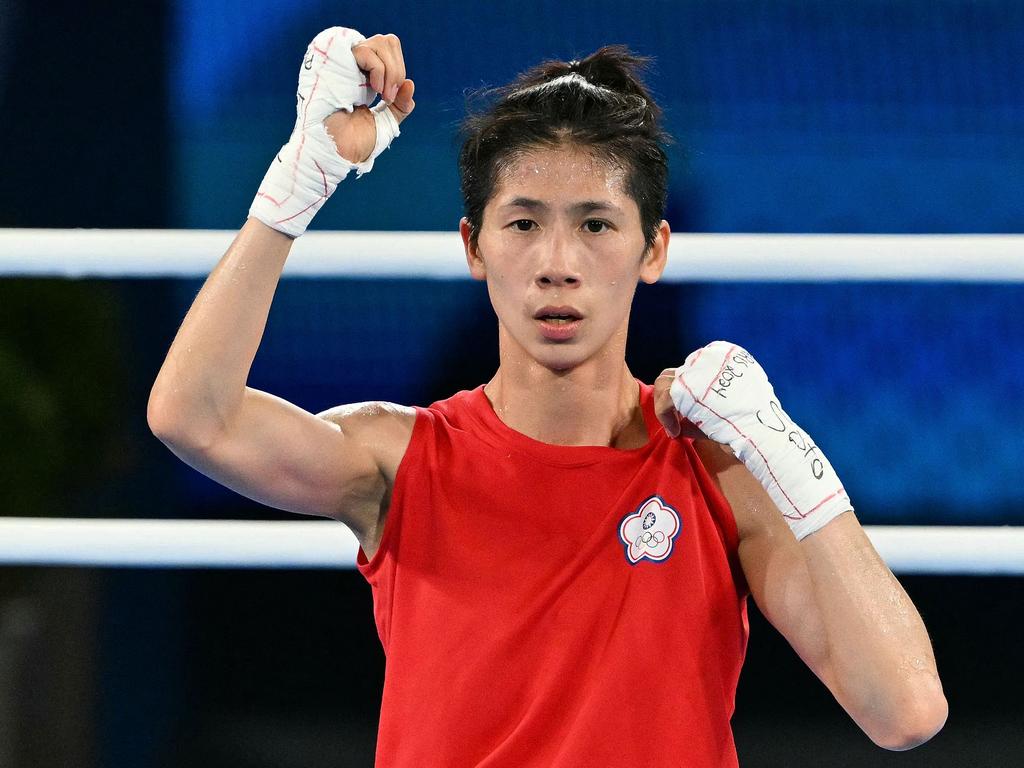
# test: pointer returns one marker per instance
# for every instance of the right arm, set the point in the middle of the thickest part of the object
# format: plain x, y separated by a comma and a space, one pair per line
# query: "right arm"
338, 464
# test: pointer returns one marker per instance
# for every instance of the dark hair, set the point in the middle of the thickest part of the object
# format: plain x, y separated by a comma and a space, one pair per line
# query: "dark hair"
599, 103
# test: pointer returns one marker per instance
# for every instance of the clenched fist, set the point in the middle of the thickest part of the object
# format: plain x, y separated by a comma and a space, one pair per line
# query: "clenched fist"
336, 130
724, 391
380, 57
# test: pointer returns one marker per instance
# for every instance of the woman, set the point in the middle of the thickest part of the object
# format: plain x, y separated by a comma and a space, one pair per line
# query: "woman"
559, 558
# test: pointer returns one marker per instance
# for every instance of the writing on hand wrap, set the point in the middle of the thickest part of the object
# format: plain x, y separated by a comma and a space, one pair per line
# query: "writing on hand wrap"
731, 372
736, 365
779, 421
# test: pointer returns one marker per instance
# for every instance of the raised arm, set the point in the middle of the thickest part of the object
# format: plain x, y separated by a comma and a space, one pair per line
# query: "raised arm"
341, 463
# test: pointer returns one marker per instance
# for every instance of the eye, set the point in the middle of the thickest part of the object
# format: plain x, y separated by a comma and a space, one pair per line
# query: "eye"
519, 225
590, 225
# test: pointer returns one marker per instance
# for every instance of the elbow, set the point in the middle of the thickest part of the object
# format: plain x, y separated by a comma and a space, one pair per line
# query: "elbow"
164, 417
913, 725
175, 425
160, 416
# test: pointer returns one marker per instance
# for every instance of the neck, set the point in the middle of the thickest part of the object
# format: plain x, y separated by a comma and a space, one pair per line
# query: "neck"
595, 403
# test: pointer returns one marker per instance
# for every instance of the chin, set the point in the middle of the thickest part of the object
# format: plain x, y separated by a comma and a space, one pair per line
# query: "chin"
560, 358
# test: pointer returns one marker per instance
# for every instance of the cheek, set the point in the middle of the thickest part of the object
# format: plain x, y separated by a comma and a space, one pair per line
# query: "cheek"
503, 288
616, 288
616, 272
498, 278
508, 267
620, 297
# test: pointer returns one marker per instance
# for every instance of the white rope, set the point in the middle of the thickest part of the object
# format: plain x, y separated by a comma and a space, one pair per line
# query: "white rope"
177, 543
80, 253
328, 544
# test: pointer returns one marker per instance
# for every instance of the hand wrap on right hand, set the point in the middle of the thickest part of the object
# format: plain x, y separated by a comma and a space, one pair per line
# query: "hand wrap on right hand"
308, 168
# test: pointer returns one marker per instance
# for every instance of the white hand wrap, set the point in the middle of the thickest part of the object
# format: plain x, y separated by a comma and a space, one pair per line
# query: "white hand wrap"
723, 391
308, 168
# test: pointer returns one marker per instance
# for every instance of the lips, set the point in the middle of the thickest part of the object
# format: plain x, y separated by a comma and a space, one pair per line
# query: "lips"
558, 323
558, 313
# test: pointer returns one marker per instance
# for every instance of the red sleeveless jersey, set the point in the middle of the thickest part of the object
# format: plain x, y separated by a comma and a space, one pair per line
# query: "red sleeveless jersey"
555, 606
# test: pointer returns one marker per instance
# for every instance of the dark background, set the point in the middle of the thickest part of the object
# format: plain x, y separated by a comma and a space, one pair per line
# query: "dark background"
895, 117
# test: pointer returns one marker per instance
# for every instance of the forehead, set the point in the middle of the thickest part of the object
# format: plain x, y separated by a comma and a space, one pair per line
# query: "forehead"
563, 173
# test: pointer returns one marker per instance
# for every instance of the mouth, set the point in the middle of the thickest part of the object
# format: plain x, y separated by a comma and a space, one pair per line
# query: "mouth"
558, 323
558, 315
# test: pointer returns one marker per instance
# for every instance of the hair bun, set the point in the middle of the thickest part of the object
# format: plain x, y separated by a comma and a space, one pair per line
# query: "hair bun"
617, 68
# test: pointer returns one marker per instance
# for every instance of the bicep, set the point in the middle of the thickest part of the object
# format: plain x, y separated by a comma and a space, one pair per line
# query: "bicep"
772, 560
281, 455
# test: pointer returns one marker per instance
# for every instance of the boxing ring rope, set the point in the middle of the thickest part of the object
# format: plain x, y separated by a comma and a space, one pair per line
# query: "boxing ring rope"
329, 544
80, 253
110, 254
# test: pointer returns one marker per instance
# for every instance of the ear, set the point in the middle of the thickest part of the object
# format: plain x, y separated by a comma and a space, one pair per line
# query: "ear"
657, 255
476, 264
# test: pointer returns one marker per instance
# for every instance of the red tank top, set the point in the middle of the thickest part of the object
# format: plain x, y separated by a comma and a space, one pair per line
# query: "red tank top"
554, 606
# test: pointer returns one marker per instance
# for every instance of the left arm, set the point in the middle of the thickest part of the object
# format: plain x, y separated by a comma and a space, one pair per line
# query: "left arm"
825, 588
897, 697
840, 607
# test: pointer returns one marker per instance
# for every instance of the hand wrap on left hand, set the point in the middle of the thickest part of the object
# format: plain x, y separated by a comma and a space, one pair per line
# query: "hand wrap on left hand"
723, 391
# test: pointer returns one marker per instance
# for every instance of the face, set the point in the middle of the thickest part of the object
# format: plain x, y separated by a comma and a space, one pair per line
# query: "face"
562, 250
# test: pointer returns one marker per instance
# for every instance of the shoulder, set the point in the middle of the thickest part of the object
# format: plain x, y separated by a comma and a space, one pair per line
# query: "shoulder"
369, 414
752, 508
383, 428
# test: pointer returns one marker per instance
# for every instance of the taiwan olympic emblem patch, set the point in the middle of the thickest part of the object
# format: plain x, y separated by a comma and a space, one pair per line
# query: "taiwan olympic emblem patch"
650, 531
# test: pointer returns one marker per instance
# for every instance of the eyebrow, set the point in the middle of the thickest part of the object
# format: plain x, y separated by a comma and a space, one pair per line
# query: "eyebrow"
585, 206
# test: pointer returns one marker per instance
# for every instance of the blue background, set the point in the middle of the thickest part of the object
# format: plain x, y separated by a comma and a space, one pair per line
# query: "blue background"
788, 117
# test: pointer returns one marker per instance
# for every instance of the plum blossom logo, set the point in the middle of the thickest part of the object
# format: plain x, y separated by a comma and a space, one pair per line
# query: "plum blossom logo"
650, 531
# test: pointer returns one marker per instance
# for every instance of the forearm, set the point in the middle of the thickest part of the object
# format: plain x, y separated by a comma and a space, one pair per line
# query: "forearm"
201, 385
824, 587
202, 380
879, 657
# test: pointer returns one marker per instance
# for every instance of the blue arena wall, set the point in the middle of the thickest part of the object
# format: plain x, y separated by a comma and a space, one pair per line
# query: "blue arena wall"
789, 116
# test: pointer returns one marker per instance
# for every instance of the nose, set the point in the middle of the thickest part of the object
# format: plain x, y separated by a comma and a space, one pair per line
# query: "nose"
559, 265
